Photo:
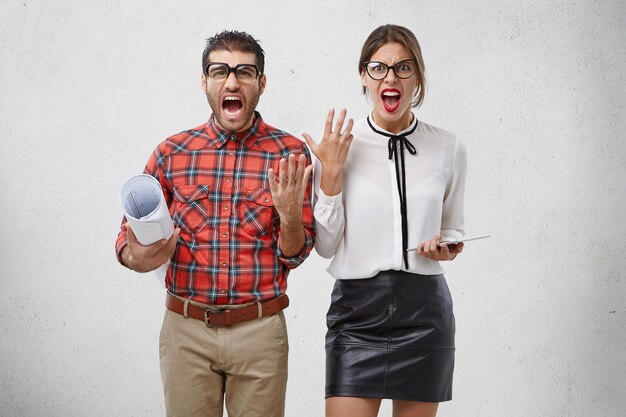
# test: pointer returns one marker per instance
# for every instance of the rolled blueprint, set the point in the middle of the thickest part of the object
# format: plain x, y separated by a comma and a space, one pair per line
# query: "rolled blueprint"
147, 212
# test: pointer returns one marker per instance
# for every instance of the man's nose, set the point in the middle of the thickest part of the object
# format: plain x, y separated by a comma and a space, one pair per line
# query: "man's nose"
231, 81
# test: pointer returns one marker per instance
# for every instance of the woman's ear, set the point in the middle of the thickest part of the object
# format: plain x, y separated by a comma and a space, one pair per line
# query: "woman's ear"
364, 78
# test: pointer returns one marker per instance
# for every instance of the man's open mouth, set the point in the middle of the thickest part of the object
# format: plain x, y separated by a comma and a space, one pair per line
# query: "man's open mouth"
390, 99
232, 106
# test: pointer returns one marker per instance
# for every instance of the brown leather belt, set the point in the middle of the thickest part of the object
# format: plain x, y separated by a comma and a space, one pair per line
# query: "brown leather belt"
224, 317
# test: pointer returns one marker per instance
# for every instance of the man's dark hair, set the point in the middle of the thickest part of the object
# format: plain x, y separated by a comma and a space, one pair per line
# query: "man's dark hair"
232, 40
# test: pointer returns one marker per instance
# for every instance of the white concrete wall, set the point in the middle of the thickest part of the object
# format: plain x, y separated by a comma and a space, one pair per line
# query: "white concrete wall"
535, 89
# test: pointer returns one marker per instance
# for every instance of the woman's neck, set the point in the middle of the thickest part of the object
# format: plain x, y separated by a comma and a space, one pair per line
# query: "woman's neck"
394, 126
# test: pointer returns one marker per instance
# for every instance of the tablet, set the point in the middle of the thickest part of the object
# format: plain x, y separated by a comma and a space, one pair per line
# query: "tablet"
463, 239
455, 241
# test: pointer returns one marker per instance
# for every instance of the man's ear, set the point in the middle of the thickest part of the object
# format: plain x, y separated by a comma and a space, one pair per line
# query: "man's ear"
203, 82
262, 82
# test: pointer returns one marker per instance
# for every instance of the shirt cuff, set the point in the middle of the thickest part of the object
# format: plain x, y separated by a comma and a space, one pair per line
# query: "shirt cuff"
119, 247
294, 261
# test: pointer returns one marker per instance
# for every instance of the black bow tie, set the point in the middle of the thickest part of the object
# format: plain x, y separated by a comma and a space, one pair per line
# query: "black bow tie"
392, 146
404, 142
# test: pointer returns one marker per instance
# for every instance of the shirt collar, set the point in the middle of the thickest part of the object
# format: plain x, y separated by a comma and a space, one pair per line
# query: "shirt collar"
411, 125
219, 136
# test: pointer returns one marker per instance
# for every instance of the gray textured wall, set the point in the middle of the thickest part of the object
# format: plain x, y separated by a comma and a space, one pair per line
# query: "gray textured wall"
535, 89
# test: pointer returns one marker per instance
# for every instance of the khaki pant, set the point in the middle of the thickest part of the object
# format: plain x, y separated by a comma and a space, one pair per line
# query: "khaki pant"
245, 365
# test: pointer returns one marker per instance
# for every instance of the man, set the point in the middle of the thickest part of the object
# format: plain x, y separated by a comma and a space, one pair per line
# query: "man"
239, 194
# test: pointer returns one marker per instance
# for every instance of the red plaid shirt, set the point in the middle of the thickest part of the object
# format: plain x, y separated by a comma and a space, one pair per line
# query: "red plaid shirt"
216, 187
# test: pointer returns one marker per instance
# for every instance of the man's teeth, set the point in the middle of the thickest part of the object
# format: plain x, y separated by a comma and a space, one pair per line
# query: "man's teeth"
232, 109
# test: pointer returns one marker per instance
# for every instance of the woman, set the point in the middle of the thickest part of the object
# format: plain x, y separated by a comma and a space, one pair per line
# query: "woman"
385, 199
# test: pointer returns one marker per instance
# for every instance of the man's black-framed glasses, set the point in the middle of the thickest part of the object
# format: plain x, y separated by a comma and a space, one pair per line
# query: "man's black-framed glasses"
379, 70
219, 71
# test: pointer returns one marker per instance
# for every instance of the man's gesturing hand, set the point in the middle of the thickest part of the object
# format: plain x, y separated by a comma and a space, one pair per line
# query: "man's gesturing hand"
288, 191
288, 194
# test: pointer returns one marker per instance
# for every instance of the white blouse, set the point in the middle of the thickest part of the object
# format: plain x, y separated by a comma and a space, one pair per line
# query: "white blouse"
361, 228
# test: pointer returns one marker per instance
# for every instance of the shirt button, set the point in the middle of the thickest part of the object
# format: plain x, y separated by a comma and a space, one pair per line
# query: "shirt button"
225, 207
223, 263
231, 154
224, 235
227, 179
266, 199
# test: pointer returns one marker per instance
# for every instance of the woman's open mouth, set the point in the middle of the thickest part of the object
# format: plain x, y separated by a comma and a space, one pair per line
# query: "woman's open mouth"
391, 99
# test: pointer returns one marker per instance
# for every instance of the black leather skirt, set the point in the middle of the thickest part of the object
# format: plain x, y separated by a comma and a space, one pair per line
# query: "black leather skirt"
391, 336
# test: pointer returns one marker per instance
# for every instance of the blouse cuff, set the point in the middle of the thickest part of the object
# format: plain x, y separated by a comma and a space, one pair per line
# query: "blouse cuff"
451, 234
331, 201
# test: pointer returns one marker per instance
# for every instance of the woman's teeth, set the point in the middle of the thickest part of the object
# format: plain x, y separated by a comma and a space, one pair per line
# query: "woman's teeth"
391, 100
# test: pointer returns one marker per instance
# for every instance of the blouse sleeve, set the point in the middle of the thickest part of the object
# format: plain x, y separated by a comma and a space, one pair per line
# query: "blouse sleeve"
329, 222
452, 222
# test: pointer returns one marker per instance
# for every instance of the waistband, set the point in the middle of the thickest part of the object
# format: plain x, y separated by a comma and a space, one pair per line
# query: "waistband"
225, 316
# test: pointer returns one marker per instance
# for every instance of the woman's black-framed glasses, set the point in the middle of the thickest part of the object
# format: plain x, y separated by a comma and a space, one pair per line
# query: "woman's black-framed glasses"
379, 70
219, 71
